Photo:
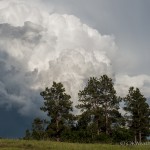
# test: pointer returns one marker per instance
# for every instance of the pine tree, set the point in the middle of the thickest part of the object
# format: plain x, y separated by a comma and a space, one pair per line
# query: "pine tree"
58, 106
99, 99
138, 113
38, 129
27, 135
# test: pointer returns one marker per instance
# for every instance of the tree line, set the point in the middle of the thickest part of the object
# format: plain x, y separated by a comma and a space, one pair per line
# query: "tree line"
99, 120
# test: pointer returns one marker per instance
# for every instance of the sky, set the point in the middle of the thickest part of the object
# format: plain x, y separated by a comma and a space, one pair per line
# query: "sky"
68, 41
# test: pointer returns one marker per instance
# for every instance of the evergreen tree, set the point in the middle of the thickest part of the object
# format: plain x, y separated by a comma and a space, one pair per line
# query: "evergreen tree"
58, 106
38, 129
138, 113
27, 135
99, 100
83, 120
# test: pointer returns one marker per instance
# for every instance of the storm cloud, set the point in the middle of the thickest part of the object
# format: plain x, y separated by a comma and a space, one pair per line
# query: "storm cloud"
42, 41
37, 48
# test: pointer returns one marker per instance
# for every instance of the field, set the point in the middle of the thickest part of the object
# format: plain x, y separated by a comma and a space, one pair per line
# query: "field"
47, 145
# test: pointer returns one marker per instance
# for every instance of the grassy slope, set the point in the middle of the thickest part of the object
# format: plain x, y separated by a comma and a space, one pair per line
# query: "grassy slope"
46, 145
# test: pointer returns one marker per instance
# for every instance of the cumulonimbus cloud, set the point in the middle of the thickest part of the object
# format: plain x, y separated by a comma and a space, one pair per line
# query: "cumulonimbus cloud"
37, 48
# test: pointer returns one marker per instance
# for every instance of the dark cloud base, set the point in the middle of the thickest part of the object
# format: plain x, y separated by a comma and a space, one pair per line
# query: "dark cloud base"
12, 124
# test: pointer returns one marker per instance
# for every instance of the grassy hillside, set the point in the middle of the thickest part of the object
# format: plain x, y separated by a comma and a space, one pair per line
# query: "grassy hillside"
46, 145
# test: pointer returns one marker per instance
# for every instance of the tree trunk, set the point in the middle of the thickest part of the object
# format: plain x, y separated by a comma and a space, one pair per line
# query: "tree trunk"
139, 133
97, 128
106, 119
135, 139
57, 129
106, 124
140, 137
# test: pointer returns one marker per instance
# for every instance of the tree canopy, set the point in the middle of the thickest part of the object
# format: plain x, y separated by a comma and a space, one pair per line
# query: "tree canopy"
138, 113
99, 120
99, 99
58, 106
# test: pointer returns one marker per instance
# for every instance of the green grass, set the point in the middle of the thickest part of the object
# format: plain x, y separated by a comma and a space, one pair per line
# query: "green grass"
47, 145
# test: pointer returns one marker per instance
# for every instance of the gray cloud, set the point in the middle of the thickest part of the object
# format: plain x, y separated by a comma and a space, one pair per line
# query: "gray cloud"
14, 87
127, 20
41, 48
13, 125
41, 43
38, 48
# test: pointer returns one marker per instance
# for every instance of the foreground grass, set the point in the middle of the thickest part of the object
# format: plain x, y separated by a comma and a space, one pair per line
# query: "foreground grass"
47, 145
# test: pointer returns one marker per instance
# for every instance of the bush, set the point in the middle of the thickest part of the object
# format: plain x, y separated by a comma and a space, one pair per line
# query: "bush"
103, 138
76, 136
122, 134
